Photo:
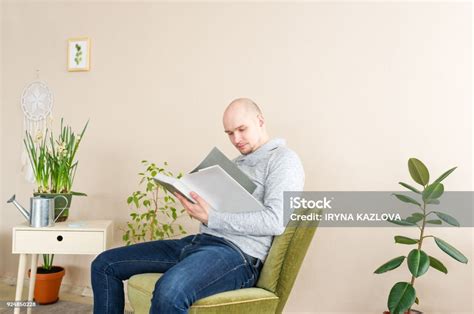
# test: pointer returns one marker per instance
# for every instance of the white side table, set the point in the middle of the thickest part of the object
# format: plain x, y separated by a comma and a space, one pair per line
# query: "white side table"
69, 237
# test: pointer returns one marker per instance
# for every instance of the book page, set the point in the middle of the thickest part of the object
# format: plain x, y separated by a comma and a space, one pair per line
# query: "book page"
173, 185
221, 191
216, 157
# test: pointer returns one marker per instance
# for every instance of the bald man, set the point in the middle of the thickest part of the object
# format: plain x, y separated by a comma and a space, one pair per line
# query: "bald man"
230, 249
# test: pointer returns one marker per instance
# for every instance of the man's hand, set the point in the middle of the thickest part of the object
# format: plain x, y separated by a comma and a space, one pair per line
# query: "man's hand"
200, 211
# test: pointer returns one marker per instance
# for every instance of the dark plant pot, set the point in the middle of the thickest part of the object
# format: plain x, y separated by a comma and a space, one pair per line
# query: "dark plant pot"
47, 284
411, 312
59, 204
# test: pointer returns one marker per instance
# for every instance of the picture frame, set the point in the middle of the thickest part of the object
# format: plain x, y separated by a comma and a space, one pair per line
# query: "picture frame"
78, 54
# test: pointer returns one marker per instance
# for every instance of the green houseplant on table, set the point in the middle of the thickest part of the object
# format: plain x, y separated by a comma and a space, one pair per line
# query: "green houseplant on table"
403, 294
54, 168
54, 165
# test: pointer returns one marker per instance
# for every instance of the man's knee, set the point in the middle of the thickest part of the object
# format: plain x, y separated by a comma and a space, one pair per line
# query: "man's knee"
102, 263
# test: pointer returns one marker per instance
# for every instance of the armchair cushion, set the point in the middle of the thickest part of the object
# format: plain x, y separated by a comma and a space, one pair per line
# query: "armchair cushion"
247, 300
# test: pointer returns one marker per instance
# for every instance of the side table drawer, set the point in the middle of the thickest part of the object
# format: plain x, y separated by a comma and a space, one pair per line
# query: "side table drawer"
58, 242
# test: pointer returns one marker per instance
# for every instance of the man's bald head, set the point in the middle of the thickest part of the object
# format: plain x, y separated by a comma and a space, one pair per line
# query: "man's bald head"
246, 104
245, 125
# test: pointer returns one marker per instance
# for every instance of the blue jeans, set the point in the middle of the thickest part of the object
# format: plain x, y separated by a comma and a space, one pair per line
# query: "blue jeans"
194, 267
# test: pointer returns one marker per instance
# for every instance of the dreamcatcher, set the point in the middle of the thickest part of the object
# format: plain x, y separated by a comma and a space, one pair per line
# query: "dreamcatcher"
36, 103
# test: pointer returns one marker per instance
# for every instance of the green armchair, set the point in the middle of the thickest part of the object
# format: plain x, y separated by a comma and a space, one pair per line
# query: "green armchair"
269, 294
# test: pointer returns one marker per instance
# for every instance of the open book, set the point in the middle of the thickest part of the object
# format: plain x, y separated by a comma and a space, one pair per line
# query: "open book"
219, 182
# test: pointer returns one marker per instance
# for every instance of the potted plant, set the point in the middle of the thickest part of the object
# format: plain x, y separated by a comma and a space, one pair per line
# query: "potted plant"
54, 165
153, 213
48, 281
403, 294
54, 168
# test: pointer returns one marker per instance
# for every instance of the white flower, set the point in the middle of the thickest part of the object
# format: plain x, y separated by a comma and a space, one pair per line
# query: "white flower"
50, 121
61, 148
38, 137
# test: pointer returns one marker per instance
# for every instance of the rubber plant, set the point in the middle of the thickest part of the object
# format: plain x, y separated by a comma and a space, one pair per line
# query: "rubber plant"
403, 295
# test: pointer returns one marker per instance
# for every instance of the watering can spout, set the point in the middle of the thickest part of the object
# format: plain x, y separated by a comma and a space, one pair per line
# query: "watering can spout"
22, 210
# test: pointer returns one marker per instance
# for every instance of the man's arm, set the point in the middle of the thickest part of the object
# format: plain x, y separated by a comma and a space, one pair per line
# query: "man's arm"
285, 174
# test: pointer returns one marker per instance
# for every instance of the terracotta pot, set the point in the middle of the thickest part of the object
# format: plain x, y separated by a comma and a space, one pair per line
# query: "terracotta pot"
47, 284
411, 312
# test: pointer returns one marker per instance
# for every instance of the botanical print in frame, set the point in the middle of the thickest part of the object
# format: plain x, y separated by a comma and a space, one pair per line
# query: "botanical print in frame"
78, 54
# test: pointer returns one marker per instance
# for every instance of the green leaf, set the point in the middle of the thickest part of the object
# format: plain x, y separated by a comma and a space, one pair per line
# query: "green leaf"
135, 201
405, 240
418, 171
447, 218
409, 187
417, 301
444, 175
451, 251
433, 202
402, 222
412, 219
127, 236
78, 193
390, 265
129, 200
434, 222
401, 297
436, 264
406, 199
433, 191
418, 262
419, 216
415, 217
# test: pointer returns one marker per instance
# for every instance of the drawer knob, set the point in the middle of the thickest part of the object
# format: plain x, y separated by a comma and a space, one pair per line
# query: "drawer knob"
60, 238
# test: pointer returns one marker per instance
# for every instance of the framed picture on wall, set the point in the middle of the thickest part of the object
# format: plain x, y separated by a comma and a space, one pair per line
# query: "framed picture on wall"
78, 54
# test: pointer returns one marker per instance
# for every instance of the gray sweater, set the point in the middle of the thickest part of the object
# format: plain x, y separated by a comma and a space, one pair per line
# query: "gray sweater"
274, 168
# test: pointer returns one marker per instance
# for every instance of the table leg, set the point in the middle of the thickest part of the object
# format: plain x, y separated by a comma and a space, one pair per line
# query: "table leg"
31, 290
19, 280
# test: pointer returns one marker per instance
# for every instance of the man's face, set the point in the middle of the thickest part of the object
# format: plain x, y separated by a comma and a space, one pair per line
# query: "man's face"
244, 129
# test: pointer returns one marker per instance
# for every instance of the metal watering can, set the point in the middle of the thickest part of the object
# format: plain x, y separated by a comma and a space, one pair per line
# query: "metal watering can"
42, 210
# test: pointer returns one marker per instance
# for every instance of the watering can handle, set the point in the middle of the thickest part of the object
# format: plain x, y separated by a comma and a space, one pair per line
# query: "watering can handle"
59, 215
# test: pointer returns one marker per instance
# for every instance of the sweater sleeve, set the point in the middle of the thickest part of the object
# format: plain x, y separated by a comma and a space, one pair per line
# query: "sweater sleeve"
285, 173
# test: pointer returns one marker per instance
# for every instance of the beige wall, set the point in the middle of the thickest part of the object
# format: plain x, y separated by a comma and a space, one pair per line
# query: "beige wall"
2, 247
356, 89
1, 131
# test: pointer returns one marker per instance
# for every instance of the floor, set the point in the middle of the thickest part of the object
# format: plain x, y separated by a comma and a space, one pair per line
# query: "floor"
7, 293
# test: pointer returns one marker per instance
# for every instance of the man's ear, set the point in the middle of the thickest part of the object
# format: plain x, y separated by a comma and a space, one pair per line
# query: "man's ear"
261, 120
